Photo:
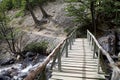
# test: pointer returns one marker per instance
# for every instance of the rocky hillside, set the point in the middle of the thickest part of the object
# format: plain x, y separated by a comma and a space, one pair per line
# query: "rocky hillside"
55, 25
53, 31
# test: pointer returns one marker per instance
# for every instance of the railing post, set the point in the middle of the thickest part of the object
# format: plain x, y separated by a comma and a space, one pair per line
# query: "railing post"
89, 40
59, 60
70, 43
66, 43
87, 36
42, 76
91, 43
54, 59
98, 64
115, 74
74, 36
95, 50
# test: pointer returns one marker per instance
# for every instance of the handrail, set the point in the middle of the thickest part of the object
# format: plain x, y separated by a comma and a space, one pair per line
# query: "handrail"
115, 69
42, 66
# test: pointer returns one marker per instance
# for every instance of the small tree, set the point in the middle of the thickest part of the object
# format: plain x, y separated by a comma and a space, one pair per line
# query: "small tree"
40, 3
31, 11
99, 13
25, 5
12, 36
15, 39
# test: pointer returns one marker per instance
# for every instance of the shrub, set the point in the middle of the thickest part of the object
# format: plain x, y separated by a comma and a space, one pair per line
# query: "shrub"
20, 13
8, 4
68, 30
37, 47
82, 30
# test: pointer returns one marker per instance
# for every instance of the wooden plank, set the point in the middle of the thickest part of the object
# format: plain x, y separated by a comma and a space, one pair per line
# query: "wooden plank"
79, 65
65, 78
75, 75
71, 78
92, 65
78, 58
79, 68
80, 62
72, 71
86, 66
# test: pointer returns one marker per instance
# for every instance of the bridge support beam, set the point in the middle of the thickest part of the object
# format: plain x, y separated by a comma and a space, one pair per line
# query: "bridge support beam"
59, 60
70, 43
98, 63
66, 47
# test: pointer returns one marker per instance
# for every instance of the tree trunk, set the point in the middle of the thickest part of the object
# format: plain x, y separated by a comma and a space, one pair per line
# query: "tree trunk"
32, 13
92, 7
13, 41
3, 32
45, 15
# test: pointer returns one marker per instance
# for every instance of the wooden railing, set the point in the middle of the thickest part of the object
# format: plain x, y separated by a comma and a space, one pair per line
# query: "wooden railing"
99, 51
40, 72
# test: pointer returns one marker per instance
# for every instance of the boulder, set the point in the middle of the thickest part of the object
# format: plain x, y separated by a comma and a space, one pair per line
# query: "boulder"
7, 61
108, 42
4, 77
5, 73
30, 54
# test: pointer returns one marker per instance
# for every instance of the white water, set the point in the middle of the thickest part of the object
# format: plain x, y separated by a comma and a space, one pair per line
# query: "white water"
17, 66
27, 69
19, 70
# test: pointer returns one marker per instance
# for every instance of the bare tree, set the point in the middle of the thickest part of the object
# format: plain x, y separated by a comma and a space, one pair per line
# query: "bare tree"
3, 32
15, 39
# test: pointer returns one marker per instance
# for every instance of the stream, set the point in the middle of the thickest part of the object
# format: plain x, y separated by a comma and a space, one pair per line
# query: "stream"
19, 71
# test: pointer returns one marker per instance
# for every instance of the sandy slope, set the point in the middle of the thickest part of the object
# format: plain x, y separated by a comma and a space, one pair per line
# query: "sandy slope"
55, 25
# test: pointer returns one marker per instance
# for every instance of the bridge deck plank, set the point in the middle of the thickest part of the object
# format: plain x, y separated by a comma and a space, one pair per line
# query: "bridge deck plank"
79, 65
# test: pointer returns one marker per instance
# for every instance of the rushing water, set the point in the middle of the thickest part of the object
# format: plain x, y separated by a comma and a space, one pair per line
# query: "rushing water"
18, 71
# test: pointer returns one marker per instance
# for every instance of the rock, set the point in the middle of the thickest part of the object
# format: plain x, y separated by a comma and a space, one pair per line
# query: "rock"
48, 71
115, 58
23, 75
118, 35
104, 42
108, 42
29, 57
7, 61
118, 48
18, 57
5, 73
118, 43
30, 54
4, 77
13, 71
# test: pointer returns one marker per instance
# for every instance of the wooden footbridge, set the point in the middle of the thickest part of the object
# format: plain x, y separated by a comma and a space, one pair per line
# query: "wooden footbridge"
77, 59
79, 65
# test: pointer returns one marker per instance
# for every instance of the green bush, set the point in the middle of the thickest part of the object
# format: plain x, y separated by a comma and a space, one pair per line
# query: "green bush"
8, 4
68, 30
37, 47
20, 13
82, 30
